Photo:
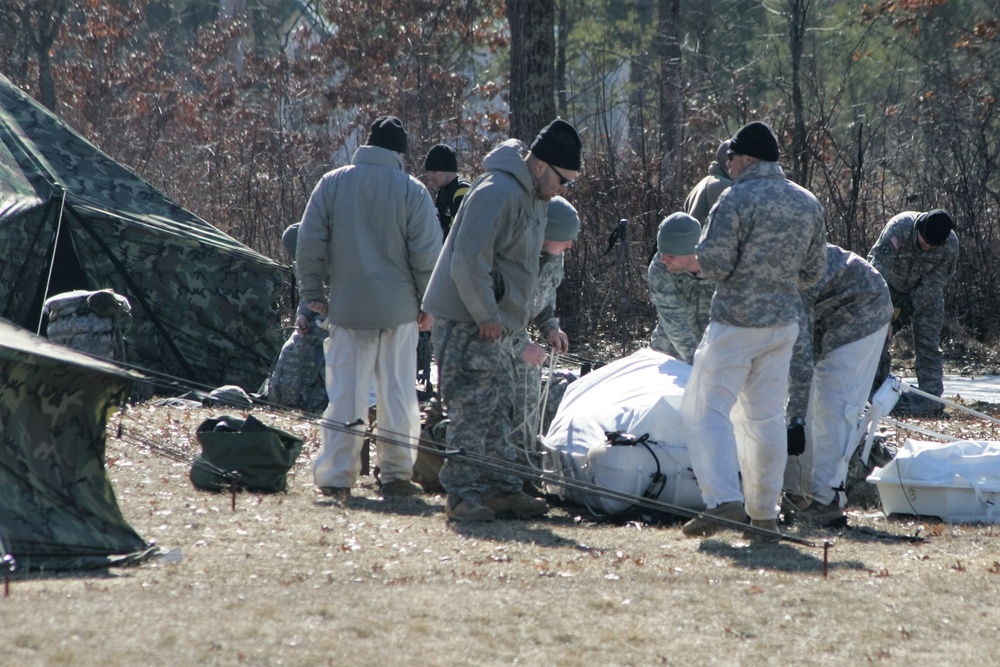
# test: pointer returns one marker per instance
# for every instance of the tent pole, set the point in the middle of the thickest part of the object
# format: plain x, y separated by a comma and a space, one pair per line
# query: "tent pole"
52, 258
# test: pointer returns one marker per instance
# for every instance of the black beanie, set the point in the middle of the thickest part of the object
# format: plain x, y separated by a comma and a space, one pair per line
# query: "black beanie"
558, 144
757, 140
441, 158
934, 226
388, 132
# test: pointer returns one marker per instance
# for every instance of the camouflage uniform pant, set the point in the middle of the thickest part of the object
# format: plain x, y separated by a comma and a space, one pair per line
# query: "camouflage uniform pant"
928, 357
527, 412
477, 378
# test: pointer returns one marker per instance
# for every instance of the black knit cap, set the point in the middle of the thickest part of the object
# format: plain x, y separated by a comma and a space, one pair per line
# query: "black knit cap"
388, 132
757, 140
441, 158
934, 226
558, 144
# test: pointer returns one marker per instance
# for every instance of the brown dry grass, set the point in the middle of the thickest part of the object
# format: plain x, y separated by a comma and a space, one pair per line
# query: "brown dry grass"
290, 580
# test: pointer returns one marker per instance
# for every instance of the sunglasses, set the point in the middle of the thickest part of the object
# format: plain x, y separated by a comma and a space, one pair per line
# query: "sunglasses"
563, 181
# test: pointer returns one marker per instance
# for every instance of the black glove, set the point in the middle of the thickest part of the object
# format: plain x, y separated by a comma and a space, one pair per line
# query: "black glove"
796, 437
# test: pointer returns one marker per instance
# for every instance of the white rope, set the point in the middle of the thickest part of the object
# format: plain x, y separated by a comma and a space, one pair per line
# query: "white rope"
534, 401
52, 260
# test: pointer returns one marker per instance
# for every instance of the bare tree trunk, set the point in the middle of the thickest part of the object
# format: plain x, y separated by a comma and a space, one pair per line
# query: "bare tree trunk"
671, 93
41, 21
532, 52
798, 18
565, 24
638, 74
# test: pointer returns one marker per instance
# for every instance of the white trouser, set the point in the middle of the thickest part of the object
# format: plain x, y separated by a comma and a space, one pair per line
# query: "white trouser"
750, 365
841, 382
354, 358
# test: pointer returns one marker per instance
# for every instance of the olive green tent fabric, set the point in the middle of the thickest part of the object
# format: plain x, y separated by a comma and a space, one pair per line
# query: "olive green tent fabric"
204, 306
57, 507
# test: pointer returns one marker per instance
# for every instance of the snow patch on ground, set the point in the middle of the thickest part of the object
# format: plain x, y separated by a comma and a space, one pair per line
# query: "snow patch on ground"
969, 388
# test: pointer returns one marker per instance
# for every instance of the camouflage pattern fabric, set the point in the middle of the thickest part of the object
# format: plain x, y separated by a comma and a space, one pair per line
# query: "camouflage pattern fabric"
92, 322
683, 305
477, 378
850, 302
531, 386
916, 281
299, 376
759, 227
528, 383
204, 306
550, 275
527, 401
57, 507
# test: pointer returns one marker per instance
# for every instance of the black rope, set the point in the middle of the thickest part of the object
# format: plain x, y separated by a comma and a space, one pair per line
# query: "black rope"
520, 470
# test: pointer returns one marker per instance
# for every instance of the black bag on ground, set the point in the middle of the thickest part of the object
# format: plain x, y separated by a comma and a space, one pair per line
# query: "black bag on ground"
261, 454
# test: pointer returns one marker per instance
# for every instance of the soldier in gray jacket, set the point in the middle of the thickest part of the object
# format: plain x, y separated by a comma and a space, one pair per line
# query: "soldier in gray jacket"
481, 294
917, 253
366, 247
703, 196
681, 294
764, 243
845, 322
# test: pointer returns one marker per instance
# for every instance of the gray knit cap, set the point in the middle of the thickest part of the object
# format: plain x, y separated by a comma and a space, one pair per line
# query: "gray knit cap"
678, 234
563, 223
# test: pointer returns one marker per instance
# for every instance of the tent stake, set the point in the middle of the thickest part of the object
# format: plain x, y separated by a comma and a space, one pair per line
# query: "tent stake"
233, 486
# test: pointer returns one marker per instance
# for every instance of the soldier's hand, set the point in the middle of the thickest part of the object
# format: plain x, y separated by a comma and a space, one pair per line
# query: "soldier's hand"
533, 354
490, 330
301, 323
425, 321
318, 306
559, 341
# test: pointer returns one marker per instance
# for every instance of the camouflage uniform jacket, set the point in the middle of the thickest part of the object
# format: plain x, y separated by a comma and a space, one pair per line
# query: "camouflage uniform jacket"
550, 275
765, 240
850, 302
371, 234
487, 270
907, 269
447, 201
704, 195
683, 304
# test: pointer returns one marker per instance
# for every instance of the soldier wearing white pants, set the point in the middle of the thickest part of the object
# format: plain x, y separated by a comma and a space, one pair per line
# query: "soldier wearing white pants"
763, 244
845, 323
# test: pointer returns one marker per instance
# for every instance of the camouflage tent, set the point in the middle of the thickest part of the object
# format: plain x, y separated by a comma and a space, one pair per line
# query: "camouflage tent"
57, 508
204, 306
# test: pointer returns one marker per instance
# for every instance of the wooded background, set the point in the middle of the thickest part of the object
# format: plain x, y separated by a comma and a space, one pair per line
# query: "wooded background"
235, 108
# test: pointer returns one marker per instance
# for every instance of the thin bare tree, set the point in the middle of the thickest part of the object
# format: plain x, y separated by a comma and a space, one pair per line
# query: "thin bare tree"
532, 62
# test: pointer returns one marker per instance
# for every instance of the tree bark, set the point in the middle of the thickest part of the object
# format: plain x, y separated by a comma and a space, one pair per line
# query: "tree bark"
798, 17
532, 55
671, 93
41, 21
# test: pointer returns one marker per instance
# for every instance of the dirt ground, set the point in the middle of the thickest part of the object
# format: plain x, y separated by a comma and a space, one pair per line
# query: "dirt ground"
288, 579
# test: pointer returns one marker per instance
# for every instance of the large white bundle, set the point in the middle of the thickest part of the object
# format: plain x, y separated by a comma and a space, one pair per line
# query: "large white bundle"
957, 481
639, 395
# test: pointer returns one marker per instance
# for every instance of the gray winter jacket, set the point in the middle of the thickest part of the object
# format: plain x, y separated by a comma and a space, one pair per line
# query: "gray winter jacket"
370, 233
488, 268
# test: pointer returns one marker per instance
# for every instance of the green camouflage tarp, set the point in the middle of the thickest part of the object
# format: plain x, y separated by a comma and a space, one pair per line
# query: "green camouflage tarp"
57, 507
204, 306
